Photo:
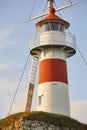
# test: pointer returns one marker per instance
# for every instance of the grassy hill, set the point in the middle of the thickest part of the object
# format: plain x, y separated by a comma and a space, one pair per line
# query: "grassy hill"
50, 118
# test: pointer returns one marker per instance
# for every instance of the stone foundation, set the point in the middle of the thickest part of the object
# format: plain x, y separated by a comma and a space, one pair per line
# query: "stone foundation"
34, 125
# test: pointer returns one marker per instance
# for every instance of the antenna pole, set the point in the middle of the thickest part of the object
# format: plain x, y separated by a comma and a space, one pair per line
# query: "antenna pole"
50, 4
41, 15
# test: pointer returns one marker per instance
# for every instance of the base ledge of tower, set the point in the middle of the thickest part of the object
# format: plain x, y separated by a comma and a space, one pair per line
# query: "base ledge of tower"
40, 121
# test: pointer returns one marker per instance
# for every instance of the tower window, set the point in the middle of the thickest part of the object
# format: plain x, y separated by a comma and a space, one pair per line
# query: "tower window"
52, 26
61, 27
40, 100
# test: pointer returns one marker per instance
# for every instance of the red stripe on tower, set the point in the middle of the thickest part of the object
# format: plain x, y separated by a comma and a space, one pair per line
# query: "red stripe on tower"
53, 70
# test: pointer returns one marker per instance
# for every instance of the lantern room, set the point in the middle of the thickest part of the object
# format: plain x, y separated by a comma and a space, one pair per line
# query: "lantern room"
52, 32
52, 26
52, 23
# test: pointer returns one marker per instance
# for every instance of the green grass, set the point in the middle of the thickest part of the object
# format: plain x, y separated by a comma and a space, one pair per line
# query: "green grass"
50, 118
12, 119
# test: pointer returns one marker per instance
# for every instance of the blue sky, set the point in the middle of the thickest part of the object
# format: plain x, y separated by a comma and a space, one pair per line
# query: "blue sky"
14, 49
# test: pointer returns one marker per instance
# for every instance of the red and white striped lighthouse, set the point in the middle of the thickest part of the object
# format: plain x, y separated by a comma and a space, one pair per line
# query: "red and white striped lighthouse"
55, 46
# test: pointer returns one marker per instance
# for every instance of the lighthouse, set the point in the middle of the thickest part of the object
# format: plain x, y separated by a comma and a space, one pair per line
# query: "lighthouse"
53, 49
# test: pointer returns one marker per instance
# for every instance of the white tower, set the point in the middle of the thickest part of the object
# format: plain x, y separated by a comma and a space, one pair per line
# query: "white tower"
54, 48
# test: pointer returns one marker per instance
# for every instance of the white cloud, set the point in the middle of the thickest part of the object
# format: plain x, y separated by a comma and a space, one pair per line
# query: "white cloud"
79, 110
7, 90
1, 21
6, 85
7, 37
4, 66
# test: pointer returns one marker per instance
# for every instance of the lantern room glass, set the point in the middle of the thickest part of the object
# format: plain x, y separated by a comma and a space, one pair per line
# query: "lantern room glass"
52, 26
